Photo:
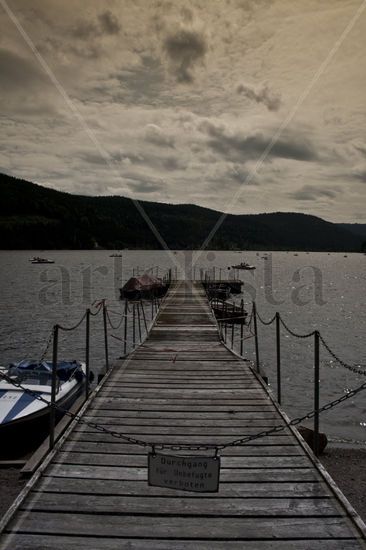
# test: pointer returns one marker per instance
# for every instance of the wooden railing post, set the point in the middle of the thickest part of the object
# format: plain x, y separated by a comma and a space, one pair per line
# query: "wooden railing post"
278, 352
53, 387
125, 329
105, 335
133, 327
256, 336
316, 391
241, 326
87, 353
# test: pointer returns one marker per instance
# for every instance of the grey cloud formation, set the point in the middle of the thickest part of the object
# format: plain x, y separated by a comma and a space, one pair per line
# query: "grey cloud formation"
260, 95
360, 173
185, 48
185, 97
313, 193
25, 89
154, 134
106, 23
238, 146
18, 72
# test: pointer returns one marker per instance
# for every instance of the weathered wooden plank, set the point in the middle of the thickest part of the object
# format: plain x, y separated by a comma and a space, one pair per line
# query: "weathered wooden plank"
227, 474
32, 541
135, 416
176, 527
306, 489
193, 439
102, 459
186, 431
126, 448
180, 506
176, 422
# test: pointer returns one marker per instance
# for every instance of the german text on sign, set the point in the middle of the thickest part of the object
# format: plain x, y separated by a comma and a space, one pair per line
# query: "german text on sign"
185, 473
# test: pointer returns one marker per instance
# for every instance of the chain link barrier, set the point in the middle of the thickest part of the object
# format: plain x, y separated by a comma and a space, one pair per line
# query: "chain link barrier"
267, 323
114, 327
47, 347
188, 446
353, 368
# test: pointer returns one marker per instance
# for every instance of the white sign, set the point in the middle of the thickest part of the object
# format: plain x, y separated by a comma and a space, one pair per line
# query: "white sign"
185, 473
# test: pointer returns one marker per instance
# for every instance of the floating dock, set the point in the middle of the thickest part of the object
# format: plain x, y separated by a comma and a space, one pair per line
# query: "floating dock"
181, 386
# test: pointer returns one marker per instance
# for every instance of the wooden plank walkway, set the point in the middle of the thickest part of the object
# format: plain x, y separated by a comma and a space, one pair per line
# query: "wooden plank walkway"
182, 385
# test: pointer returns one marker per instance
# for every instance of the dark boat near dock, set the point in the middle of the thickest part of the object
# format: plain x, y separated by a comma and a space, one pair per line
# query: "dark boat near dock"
144, 287
243, 265
228, 312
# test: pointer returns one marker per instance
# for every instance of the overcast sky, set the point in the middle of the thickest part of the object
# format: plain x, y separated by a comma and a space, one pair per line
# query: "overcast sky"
189, 101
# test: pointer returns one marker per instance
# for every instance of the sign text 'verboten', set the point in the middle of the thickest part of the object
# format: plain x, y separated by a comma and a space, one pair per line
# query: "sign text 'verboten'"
185, 473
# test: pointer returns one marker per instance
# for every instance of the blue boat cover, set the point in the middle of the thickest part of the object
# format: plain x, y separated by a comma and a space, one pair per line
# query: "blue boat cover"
64, 368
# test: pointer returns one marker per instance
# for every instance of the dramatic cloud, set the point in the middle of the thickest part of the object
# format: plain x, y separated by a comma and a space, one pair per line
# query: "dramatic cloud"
155, 135
185, 48
106, 23
185, 97
313, 193
237, 145
260, 95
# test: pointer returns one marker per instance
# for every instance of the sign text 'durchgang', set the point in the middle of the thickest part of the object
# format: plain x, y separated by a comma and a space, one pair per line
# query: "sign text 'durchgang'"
185, 473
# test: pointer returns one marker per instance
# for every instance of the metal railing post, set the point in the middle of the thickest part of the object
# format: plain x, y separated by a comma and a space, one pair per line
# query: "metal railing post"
241, 326
125, 329
87, 353
278, 352
256, 336
53, 387
105, 335
133, 327
316, 392
139, 321
143, 315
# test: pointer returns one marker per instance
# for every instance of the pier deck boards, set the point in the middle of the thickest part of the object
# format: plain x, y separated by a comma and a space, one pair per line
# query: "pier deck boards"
182, 385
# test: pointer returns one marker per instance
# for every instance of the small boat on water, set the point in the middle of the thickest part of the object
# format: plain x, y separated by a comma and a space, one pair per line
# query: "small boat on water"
228, 312
115, 255
243, 265
217, 290
144, 287
23, 416
39, 260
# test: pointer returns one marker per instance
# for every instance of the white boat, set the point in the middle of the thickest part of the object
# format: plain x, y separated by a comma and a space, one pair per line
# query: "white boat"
22, 416
39, 260
243, 265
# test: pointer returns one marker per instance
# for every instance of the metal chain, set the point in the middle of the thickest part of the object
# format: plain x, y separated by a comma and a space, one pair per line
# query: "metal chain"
99, 309
114, 327
187, 446
77, 325
266, 322
295, 333
45, 351
352, 368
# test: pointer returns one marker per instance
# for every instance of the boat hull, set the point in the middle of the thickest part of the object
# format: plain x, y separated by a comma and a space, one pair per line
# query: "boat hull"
27, 432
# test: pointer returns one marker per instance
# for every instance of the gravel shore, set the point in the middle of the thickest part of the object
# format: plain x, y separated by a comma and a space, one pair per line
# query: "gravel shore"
347, 466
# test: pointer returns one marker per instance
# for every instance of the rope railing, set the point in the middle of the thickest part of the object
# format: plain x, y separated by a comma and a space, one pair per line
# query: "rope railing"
132, 319
189, 446
252, 327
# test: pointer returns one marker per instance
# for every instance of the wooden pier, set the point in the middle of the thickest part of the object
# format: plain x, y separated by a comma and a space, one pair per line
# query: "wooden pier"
181, 386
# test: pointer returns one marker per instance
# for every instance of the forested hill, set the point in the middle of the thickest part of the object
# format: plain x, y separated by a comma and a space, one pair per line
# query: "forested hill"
35, 217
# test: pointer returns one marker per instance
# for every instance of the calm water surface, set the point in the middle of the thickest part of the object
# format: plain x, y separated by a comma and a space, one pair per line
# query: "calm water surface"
311, 291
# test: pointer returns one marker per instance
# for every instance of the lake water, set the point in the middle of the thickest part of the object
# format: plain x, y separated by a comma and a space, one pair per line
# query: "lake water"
311, 291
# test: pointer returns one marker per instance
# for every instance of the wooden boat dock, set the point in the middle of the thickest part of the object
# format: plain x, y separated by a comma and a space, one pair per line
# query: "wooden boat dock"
181, 386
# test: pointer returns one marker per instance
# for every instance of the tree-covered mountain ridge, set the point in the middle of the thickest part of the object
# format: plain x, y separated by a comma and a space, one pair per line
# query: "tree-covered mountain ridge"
36, 217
